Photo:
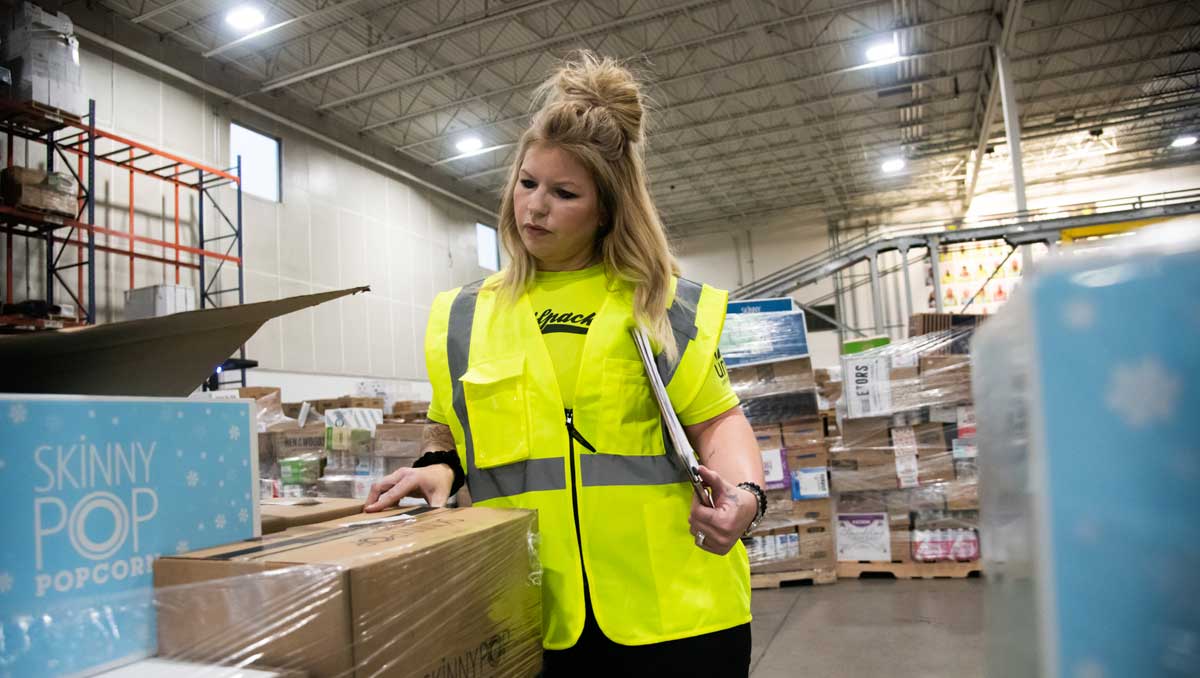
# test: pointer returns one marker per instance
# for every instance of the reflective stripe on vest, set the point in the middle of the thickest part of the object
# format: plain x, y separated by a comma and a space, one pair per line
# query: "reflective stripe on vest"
596, 469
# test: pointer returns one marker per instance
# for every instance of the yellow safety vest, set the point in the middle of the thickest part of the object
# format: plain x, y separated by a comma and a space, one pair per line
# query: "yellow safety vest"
623, 508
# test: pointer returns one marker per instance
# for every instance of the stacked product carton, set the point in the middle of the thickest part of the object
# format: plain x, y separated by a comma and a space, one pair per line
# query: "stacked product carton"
903, 470
773, 377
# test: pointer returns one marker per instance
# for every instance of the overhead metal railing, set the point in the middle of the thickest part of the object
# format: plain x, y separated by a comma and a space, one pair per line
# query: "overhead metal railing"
1043, 225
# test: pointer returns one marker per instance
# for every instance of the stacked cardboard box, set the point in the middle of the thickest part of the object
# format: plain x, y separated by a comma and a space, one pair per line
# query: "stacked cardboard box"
797, 531
772, 374
42, 52
40, 191
903, 470
346, 598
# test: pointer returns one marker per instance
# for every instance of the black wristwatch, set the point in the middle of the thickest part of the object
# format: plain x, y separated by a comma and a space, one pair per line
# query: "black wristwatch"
758, 493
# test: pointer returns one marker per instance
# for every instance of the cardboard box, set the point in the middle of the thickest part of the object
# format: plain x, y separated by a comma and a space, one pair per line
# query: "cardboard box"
862, 502
308, 510
256, 392
773, 409
901, 546
768, 436
871, 432
95, 490
945, 378
786, 376
445, 590
158, 300
962, 495
807, 432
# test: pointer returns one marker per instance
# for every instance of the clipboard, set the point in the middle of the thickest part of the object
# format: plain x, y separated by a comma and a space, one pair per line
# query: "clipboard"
679, 440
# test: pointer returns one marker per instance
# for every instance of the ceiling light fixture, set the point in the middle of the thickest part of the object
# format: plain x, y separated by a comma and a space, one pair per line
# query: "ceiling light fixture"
244, 17
893, 165
1183, 141
469, 145
883, 52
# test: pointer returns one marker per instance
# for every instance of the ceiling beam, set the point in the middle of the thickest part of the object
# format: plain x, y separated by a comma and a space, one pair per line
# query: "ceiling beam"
649, 54
434, 33
308, 16
539, 46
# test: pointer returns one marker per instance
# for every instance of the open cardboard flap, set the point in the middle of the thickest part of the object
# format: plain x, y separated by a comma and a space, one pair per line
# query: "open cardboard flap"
166, 356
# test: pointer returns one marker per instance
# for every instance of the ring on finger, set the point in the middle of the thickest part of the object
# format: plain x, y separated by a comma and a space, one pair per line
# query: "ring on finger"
699, 538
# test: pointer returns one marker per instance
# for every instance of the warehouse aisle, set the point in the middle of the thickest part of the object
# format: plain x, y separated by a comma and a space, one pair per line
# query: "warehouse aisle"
870, 628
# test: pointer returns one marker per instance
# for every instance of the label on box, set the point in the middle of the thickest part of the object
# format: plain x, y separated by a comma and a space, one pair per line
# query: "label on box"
904, 445
964, 448
95, 490
810, 483
966, 421
775, 469
944, 414
867, 386
863, 536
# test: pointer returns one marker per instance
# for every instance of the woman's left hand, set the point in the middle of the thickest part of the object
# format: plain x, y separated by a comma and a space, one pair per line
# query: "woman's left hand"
717, 528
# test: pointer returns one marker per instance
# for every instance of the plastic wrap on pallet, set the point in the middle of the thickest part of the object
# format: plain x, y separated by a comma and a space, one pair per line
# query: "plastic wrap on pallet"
43, 53
755, 338
774, 392
905, 479
1088, 384
929, 371
446, 592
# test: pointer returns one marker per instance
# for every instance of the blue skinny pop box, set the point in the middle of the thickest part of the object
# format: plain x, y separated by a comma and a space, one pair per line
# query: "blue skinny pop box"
1087, 389
95, 490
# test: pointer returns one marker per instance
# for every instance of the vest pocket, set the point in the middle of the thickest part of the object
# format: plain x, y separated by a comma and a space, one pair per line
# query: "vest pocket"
631, 417
499, 413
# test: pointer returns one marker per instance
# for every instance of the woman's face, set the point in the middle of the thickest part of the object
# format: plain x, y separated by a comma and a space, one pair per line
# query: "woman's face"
557, 209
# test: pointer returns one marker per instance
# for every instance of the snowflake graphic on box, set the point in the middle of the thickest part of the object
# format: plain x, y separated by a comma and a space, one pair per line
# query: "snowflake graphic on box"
219, 521
235, 433
243, 516
6, 582
17, 413
193, 478
181, 546
1143, 392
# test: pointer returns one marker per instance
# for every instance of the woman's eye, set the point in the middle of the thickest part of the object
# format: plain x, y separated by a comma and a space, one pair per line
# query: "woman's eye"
529, 183
565, 195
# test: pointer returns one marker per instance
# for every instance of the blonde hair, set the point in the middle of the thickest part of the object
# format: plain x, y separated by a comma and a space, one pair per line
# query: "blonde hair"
592, 108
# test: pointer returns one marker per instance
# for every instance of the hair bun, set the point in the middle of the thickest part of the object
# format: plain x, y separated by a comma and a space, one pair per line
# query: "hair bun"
592, 84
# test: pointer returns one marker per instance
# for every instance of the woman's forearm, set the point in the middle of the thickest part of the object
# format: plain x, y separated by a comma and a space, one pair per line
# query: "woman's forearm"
726, 445
436, 437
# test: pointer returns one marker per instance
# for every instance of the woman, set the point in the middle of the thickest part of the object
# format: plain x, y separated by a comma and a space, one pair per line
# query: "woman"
540, 402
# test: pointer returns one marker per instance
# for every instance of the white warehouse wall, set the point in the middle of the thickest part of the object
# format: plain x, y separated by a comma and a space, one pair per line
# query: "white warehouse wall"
340, 224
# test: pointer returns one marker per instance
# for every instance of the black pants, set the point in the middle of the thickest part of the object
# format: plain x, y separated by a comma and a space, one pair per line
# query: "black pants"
723, 654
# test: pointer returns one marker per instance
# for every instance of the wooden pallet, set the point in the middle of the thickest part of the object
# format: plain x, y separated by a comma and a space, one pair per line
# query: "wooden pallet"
946, 570
774, 580
38, 116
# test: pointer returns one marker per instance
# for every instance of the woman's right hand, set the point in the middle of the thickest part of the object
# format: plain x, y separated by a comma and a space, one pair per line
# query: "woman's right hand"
432, 483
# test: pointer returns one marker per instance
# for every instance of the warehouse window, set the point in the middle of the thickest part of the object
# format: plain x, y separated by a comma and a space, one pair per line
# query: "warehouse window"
260, 161
487, 246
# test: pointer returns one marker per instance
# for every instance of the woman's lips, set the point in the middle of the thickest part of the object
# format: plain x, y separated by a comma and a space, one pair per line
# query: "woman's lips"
534, 230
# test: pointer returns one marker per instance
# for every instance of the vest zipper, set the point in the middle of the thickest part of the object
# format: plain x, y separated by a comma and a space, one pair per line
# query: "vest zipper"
572, 436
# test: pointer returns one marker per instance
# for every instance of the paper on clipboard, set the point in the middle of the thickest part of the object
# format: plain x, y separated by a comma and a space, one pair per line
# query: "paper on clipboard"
679, 439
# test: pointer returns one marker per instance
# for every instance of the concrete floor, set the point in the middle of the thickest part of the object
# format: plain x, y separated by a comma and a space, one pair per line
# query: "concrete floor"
870, 628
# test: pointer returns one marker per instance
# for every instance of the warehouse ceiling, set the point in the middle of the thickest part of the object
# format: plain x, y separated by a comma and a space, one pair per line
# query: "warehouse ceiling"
761, 105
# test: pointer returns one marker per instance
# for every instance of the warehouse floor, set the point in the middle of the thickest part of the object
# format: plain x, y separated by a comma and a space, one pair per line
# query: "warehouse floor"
870, 628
